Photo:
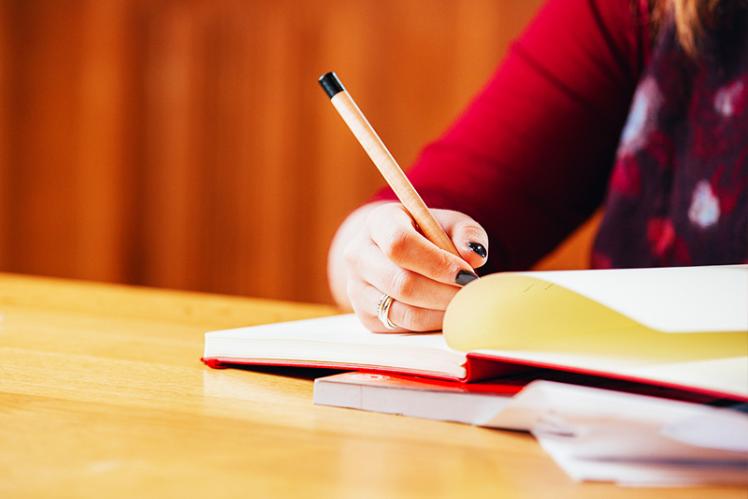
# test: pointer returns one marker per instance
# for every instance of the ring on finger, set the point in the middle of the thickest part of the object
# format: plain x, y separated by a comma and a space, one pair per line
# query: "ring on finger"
383, 311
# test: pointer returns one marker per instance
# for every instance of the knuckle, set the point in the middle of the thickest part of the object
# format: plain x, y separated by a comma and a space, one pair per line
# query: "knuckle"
381, 212
402, 284
442, 267
371, 217
446, 266
409, 318
396, 245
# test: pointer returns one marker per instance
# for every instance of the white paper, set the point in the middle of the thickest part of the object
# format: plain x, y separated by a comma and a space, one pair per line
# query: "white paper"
725, 430
335, 341
635, 440
674, 299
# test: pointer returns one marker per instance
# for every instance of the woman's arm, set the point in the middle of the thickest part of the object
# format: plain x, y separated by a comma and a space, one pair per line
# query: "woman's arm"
530, 157
524, 165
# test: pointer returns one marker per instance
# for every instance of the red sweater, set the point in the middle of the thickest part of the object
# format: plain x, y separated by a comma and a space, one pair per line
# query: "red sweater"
532, 155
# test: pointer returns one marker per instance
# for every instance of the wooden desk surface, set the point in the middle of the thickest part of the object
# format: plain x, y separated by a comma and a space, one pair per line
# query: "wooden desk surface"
102, 393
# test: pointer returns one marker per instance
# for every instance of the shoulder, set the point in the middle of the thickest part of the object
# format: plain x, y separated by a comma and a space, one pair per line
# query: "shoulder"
610, 32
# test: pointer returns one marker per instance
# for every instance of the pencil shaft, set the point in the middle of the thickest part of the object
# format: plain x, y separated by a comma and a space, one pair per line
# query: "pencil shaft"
391, 171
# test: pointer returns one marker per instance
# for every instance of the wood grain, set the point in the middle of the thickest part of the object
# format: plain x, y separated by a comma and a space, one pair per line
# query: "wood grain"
102, 394
185, 144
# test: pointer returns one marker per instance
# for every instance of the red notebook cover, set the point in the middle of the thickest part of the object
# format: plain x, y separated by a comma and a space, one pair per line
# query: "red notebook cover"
493, 374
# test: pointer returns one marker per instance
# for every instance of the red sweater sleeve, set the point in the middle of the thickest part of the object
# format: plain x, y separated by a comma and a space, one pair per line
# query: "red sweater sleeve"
530, 157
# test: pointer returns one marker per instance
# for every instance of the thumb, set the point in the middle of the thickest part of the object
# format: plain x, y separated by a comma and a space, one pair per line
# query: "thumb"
468, 236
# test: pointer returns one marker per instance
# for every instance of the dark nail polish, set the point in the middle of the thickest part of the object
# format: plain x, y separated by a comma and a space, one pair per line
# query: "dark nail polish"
478, 249
464, 277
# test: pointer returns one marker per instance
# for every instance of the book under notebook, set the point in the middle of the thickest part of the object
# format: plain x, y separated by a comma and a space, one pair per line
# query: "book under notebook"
416, 397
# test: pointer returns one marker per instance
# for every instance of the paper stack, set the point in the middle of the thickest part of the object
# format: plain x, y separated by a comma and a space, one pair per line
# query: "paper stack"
593, 434
632, 440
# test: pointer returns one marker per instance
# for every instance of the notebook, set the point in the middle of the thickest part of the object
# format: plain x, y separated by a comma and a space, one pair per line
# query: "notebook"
679, 328
470, 403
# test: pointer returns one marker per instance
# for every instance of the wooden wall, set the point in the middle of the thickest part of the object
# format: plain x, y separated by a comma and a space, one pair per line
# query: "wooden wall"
186, 144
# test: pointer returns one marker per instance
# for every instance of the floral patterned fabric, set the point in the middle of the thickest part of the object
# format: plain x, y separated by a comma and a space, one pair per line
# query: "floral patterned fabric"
678, 193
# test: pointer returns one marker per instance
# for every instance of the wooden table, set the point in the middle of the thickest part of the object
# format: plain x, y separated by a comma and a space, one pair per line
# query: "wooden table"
102, 394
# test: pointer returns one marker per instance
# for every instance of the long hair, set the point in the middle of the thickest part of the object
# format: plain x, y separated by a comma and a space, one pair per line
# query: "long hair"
691, 18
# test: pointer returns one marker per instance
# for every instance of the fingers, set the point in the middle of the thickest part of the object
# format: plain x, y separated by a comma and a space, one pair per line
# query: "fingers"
392, 230
468, 236
389, 256
365, 300
405, 286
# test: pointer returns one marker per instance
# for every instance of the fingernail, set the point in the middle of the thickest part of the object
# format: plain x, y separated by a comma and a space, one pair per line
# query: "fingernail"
478, 249
464, 277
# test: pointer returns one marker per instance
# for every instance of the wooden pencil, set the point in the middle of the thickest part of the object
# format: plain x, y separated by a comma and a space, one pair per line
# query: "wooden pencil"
385, 162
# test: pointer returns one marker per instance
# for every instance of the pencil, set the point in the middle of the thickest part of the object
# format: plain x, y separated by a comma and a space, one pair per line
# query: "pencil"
385, 162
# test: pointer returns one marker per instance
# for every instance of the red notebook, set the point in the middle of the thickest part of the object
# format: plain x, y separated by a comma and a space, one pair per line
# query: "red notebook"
341, 342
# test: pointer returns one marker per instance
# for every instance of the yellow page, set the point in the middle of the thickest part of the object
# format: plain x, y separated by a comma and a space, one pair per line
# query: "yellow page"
524, 316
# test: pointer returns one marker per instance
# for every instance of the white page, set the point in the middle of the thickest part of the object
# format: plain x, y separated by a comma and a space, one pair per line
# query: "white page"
603, 435
726, 430
334, 330
640, 472
340, 339
574, 404
671, 299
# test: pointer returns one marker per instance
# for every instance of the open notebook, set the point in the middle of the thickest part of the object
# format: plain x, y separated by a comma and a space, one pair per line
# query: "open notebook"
682, 328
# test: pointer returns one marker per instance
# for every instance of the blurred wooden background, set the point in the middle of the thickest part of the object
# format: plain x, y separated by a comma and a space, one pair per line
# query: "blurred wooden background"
186, 144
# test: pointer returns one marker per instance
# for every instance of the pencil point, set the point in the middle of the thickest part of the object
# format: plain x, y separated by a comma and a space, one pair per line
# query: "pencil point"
331, 84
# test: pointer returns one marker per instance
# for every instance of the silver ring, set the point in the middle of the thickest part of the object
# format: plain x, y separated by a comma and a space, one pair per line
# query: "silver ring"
383, 311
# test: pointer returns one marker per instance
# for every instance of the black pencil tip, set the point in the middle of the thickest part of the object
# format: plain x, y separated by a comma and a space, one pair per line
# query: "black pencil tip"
330, 84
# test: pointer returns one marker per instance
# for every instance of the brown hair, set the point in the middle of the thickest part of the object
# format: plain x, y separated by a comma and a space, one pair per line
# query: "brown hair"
691, 18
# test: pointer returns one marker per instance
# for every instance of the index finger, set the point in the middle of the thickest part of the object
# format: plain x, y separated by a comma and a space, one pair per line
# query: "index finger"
396, 235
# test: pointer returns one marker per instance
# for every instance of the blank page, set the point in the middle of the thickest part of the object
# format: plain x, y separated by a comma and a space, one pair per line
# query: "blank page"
334, 341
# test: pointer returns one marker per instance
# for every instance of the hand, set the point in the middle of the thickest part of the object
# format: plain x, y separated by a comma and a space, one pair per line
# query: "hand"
387, 255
